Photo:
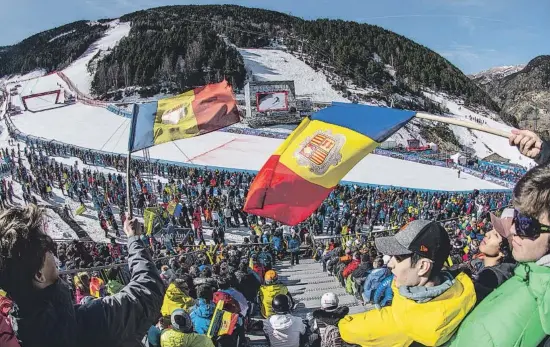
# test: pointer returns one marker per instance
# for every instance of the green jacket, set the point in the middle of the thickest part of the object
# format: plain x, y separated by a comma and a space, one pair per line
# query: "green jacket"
516, 314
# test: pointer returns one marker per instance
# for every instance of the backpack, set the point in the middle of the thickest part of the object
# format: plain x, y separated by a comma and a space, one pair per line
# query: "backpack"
331, 336
230, 304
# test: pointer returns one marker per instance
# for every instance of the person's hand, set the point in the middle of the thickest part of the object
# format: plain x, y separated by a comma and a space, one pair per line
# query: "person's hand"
528, 143
132, 227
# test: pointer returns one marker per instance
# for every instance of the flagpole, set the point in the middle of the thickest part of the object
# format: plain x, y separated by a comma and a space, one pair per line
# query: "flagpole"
128, 188
469, 125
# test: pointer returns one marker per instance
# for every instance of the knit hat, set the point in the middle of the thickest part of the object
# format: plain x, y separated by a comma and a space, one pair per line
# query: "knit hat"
181, 321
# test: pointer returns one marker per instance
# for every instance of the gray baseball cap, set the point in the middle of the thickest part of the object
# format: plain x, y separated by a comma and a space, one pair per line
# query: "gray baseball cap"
425, 238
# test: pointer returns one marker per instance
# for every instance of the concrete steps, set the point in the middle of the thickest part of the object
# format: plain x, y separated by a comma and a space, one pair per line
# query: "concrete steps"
307, 283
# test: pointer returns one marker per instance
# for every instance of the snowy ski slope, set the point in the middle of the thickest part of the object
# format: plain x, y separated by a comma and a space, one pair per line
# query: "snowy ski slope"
78, 70
483, 143
273, 65
277, 65
97, 128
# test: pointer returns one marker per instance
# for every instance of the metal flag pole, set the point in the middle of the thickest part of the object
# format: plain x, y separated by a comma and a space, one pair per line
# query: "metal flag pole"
128, 162
128, 188
469, 125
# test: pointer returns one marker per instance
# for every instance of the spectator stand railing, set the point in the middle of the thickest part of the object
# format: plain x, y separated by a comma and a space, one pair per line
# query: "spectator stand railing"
384, 152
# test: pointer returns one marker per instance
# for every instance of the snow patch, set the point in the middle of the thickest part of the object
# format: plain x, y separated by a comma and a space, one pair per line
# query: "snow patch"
78, 73
61, 35
276, 65
482, 143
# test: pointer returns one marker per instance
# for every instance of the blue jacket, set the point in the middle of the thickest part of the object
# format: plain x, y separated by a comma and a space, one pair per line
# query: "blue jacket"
293, 245
373, 281
277, 243
201, 315
383, 294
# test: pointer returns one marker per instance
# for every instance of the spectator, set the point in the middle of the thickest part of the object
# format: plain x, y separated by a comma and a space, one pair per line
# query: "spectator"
282, 329
498, 264
374, 279
383, 295
113, 285
269, 291
201, 313
181, 333
521, 303
326, 320
294, 249
46, 316
421, 290
177, 296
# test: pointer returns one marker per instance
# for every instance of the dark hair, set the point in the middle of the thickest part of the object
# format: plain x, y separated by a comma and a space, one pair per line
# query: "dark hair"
181, 285
112, 273
506, 251
437, 265
205, 292
243, 267
23, 249
226, 281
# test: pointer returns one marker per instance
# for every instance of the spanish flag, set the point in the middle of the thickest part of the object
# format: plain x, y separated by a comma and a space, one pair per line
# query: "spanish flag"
192, 113
316, 156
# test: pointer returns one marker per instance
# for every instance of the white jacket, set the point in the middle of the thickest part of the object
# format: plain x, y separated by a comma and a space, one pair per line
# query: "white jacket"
284, 330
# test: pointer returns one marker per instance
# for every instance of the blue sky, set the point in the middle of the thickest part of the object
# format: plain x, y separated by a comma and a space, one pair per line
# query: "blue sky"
472, 34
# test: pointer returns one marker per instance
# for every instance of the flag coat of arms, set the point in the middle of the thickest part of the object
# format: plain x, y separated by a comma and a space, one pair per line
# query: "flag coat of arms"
316, 156
193, 113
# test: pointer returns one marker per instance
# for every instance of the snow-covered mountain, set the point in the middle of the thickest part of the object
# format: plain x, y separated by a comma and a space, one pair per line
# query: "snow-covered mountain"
496, 73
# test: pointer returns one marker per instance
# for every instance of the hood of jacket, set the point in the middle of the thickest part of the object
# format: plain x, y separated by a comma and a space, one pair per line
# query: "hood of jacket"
175, 298
281, 321
422, 294
442, 307
331, 317
204, 309
535, 276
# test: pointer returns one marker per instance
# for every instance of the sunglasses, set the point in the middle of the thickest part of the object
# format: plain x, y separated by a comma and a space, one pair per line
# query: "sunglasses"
528, 227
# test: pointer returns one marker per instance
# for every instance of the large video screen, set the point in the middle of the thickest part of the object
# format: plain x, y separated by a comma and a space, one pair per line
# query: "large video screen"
272, 101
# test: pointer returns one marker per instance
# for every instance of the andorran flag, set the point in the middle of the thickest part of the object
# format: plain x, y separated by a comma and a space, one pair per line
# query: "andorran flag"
192, 113
316, 156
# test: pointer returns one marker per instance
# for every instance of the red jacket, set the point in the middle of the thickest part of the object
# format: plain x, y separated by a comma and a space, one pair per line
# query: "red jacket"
7, 335
351, 267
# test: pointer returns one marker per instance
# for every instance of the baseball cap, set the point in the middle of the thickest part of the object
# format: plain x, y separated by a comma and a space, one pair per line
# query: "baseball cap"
503, 223
425, 238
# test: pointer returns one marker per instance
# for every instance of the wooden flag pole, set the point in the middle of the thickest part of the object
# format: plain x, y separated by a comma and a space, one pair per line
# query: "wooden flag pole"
469, 125
128, 187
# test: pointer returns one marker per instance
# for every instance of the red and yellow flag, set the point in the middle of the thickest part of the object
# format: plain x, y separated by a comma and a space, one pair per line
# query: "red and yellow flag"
316, 156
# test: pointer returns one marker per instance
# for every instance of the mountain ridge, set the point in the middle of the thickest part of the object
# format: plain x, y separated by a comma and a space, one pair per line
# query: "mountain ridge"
175, 48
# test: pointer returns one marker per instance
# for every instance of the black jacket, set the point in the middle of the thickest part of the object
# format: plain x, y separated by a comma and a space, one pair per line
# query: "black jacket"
544, 156
330, 317
248, 284
49, 319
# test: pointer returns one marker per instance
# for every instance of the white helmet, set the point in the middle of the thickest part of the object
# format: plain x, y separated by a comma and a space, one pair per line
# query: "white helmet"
329, 302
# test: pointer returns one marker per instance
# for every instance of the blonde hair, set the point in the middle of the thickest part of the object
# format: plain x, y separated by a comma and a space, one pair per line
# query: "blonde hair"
532, 192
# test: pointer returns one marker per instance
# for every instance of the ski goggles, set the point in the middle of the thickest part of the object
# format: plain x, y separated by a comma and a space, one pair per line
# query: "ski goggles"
528, 227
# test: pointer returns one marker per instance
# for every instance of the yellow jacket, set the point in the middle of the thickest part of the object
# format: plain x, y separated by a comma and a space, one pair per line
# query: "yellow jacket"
175, 298
267, 293
431, 323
